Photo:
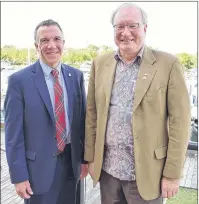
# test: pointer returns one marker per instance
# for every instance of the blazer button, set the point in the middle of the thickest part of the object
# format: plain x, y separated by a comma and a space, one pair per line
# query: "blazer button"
54, 156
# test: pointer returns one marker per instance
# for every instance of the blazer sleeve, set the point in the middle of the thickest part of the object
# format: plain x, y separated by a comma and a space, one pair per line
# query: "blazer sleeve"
91, 118
14, 133
83, 115
179, 122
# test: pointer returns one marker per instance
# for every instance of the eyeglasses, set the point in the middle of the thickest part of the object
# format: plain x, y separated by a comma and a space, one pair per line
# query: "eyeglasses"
132, 27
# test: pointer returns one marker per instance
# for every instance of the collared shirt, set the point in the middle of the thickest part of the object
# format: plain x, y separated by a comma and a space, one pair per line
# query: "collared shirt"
119, 148
50, 84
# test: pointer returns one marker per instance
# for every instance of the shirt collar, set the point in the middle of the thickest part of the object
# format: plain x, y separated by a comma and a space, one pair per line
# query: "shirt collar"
47, 69
118, 56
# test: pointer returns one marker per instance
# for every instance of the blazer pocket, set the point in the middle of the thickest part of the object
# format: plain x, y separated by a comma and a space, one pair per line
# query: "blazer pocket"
148, 96
152, 94
161, 152
30, 155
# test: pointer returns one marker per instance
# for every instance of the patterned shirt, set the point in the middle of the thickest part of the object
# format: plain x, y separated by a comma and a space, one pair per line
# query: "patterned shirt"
119, 152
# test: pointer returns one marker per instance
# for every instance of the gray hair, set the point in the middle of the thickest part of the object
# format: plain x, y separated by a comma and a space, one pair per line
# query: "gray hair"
48, 22
143, 13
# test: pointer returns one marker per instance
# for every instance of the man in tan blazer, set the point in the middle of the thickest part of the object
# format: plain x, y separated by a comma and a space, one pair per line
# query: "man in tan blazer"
138, 117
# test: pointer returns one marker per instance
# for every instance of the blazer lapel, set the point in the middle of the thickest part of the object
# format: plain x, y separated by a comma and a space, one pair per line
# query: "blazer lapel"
68, 79
109, 71
39, 80
145, 76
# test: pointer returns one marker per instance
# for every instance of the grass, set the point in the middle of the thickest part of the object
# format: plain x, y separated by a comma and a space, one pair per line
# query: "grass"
185, 196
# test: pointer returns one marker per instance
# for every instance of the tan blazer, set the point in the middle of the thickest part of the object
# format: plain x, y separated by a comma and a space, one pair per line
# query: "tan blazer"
160, 120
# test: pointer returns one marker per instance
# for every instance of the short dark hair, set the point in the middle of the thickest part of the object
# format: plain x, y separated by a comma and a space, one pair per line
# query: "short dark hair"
48, 22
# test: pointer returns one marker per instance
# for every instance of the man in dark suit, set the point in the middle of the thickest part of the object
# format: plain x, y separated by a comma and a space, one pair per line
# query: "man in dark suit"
44, 123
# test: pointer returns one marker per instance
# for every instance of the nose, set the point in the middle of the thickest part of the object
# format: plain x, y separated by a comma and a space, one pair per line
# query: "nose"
126, 31
51, 43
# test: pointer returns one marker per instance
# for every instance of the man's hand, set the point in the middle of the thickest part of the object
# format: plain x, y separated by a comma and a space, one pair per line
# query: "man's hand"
91, 169
23, 189
169, 187
84, 171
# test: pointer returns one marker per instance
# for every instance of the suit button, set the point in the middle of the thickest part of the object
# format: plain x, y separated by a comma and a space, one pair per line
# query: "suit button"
54, 156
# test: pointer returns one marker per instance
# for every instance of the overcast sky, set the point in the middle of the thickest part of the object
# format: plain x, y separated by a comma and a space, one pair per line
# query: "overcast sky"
172, 26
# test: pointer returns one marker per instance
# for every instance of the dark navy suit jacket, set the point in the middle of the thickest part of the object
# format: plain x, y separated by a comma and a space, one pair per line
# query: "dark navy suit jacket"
31, 145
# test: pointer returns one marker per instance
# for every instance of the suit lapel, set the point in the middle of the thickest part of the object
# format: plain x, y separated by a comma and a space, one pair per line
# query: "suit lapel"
39, 80
145, 76
109, 71
68, 79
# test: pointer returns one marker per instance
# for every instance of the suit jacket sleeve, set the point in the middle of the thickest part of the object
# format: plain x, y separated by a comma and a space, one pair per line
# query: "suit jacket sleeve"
14, 133
179, 122
83, 115
91, 118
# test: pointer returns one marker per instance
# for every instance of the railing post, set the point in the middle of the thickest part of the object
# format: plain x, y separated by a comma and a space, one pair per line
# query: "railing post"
80, 192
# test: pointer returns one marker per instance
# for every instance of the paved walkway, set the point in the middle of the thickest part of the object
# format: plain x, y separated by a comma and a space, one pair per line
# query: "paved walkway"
92, 195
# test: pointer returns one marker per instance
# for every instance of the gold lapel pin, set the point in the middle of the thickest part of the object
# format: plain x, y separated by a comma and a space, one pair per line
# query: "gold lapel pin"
144, 77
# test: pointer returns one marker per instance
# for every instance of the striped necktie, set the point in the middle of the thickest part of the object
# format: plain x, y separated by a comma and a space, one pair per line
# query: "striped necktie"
59, 113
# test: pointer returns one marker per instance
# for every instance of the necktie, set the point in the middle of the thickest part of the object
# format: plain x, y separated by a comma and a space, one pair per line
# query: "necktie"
59, 113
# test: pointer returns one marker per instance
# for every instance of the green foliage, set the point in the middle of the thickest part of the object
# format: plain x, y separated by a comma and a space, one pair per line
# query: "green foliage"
194, 58
185, 196
9, 46
75, 57
105, 49
17, 56
71, 56
189, 61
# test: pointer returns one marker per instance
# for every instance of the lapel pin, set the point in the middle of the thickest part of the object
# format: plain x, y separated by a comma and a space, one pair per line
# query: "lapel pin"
69, 74
144, 77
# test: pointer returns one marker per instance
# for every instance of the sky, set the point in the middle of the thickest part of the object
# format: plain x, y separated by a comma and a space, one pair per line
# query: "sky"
172, 26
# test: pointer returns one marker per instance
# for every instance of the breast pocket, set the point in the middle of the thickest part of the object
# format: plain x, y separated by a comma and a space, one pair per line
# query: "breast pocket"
30, 155
149, 96
161, 152
152, 93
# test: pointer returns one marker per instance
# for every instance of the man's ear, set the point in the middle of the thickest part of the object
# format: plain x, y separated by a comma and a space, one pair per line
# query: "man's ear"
36, 46
145, 28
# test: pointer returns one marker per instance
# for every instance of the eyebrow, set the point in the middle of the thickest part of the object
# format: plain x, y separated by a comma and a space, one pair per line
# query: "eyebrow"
51, 37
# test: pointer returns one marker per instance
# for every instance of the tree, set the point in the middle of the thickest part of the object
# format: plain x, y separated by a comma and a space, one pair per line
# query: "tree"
194, 59
16, 56
186, 59
9, 46
105, 49
93, 48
